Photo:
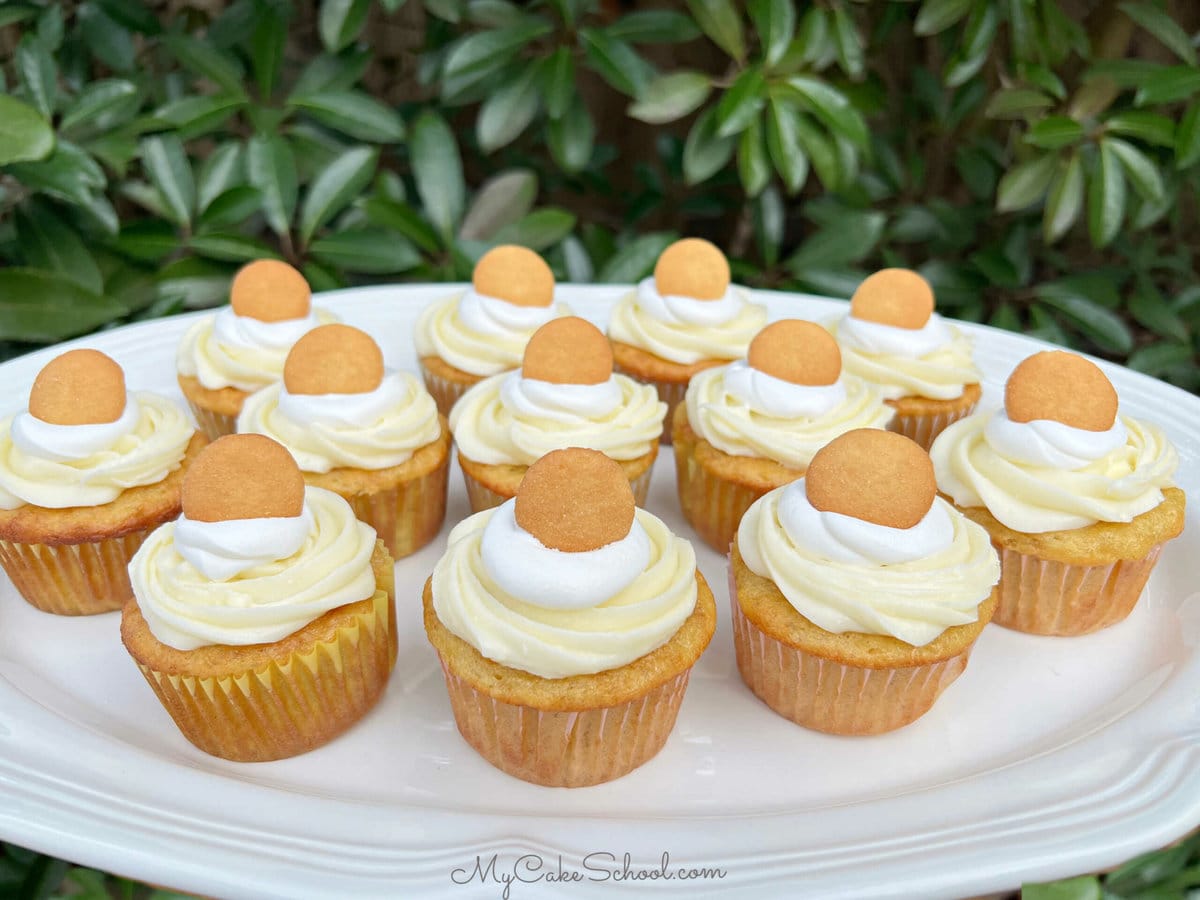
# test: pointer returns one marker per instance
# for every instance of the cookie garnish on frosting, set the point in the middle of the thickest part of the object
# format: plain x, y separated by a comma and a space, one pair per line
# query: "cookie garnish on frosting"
243, 476
80, 387
334, 359
1061, 387
270, 291
569, 350
514, 274
692, 267
575, 500
796, 351
897, 297
876, 476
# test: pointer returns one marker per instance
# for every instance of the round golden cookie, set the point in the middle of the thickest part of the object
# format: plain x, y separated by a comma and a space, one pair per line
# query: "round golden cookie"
897, 297
874, 475
333, 359
243, 476
270, 291
568, 350
575, 500
1063, 387
796, 351
80, 387
692, 267
515, 274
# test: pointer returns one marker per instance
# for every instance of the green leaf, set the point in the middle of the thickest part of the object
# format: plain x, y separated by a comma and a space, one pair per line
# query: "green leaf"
783, 145
720, 20
822, 154
812, 38
705, 152
402, 218
334, 188
1187, 138
194, 116
1083, 888
197, 282
230, 247
222, 170
38, 73
24, 134
671, 97
1147, 126
1065, 200
741, 104
654, 26
976, 46
1152, 311
769, 222
354, 113
847, 238
775, 22
616, 62
938, 15
754, 169
341, 21
1168, 85
108, 41
1160, 24
571, 139
1103, 326
46, 306
507, 112
1054, 132
222, 69
635, 260
374, 251
437, 170
267, 43
1016, 103
132, 14
849, 46
493, 13
539, 230
487, 50
67, 174
97, 100
328, 72
1026, 184
167, 166
1157, 359
46, 242
447, 10
271, 167
1106, 196
832, 107
558, 82
1141, 171
233, 207
502, 200
11, 13
147, 240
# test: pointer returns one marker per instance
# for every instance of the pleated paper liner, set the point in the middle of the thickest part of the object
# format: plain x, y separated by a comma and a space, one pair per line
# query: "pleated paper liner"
669, 392
482, 497
926, 419
311, 693
444, 391
408, 516
214, 425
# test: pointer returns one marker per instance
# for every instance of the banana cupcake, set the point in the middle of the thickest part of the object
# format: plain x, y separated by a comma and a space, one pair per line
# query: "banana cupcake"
567, 621
857, 593
264, 618
225, 357
371, 434
1078, 499
753, 425
481, 332
564, 395
87, 471
685, 318
921, 363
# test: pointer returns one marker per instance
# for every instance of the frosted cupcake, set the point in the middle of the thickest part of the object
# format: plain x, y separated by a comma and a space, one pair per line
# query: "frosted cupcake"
86, 473
857, 593
564, 395
753, 425
371, 434
921, 363
264, 618
1078, 500
481, 332
225, 357
567, 622
686, 318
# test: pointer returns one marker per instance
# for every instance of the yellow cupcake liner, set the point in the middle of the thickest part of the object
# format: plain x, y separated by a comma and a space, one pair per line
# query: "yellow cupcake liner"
73, 579
566, 748
671, 393
924, 429
444, 391
834, 697
408, 516
212, 424
482, 497
712, 505
295, 703
1043, 596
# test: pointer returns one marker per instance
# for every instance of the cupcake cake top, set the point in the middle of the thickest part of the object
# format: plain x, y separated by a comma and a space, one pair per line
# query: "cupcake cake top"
692, 267
243, 476
872, 475
80, 387
897, 297
569, 350
797, 352
1061, 387
575, 500
515, 275
334, 359
270, 291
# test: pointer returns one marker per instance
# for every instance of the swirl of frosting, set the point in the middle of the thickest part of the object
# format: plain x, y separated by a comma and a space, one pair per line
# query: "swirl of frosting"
185, 609
58, 466
730, 424
848, 575
221, 550
373, 430
1015, 470
556, 641
228, 350
511, 420
934, 361
764, 393
685, 330
479, 334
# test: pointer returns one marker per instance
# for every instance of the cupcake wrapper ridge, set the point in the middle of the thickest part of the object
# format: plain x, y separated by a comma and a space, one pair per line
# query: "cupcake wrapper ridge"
213, 425
444, 391
669, 392
712, 505
408, 516
924, 429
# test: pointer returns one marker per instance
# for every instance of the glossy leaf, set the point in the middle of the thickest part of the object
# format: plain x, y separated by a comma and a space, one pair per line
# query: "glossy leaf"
221, 170
1065, 200
1054, 132
340, 22
775, 22
230, 247
1147, 126
1187, 138
193, 116
848, 44
1082, 888
635, 260
133, 14
1152, 311
705, 152
1168, 85
501, 200
938, 15
821, 153
847, 238
47, 242
1139, 169
741, 104
1159, 359
539, 230
571, 139
558, 82
1026, 184
831, 107
37, 305
222, 69
354, 113
1016, 103
169, 170
754, 169
671, 97
1106, 196
616, 62
507, 112
783, 145
38, 74
110, 42
654, 26
722, 23
976, 45
267, 43
488, 49
1160, 24
401, 218
770, 219
24, 133
373, 251
1104, 327
231, 208
271, 167
437, 168
334, 188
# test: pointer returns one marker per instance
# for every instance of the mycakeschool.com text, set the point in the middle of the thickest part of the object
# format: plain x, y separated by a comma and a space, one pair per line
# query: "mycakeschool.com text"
594, 868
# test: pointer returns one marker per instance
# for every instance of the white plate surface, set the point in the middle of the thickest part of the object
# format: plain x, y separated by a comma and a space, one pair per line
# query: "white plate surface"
1049, 757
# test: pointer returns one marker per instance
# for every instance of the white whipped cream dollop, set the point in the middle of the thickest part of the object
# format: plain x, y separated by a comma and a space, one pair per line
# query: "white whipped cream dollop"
62, 443
1044, 442
934, 361
878, 337
223, 550
674, 309
770, 396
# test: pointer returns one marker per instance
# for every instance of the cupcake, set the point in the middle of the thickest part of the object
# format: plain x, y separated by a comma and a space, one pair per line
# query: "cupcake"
567, 621
1078, 500
225, 357
87, 471
748, 427
481, 332
682, 320
371, 434
264, 618
564, 395
919, 362
857, 593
